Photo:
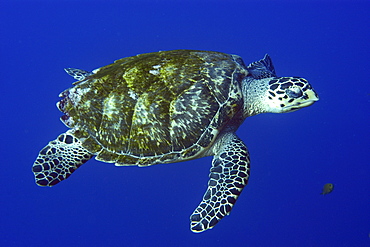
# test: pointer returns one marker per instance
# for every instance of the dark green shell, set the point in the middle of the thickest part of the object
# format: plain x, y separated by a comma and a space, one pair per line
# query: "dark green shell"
155, 108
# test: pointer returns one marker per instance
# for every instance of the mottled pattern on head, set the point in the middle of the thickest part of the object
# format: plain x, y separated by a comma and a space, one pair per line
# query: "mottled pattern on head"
290, 93
265, 92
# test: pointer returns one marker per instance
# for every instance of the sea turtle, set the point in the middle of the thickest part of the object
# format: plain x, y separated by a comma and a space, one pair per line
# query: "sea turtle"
167, 107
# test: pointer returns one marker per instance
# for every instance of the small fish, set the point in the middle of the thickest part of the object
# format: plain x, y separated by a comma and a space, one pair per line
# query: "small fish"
327, 189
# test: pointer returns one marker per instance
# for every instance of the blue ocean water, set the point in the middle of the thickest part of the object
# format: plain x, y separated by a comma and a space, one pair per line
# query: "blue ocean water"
293, 155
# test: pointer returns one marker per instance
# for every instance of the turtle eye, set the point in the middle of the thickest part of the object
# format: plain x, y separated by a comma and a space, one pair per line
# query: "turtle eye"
294, 92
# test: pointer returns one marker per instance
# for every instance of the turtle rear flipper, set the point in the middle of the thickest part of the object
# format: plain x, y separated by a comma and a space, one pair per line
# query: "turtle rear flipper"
59, 159
78, 74
229, 174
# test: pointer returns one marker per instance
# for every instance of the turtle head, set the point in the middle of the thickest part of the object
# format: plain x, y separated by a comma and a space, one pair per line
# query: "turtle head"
277, 95
265, 92
287, 94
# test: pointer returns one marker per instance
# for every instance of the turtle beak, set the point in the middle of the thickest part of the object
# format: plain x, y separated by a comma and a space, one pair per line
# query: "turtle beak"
308, 98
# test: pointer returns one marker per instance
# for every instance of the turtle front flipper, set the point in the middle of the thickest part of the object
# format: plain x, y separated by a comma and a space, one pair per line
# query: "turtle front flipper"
229, 174
59, 159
